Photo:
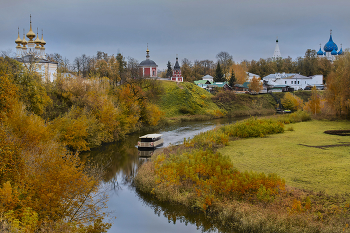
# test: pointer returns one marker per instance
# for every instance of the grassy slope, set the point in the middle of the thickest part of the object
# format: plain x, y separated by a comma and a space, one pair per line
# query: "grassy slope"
245, 105
302, 167
185, 98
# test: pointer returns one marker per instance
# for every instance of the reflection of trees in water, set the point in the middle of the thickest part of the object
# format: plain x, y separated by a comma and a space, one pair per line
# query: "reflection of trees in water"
115, 158
182, 214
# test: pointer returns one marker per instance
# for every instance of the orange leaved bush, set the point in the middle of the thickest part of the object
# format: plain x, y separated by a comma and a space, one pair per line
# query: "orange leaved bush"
212, 175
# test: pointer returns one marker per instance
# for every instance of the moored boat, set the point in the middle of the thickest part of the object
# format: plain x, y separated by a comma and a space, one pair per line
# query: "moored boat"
150, 141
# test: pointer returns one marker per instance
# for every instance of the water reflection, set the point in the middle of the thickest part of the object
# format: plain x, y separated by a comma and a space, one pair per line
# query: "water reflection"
179, 214
120, 162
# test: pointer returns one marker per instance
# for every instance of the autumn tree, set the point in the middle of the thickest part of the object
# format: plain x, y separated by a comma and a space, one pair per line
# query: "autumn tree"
292, 102
255, 85
186, 69
338, 86
38, 176
314, 104
240, 73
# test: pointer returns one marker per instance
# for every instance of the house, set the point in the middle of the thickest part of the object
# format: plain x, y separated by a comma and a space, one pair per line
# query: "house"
202, 83
212, 87
242, 87
293, 81
209, 78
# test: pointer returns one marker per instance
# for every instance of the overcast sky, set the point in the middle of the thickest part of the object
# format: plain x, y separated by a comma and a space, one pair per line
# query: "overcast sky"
193, 29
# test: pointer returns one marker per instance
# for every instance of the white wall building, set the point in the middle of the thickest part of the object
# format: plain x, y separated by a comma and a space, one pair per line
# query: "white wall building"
295, 81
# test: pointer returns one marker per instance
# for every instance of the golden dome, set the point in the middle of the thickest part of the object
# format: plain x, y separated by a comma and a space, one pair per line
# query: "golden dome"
31, 34
37, 41
24, 42
18, 41
42, 40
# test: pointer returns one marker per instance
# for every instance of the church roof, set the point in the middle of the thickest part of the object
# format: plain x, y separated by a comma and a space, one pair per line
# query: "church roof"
334, 52
341, 51
148, 62
278, 75
320, 52
296, 76
207, 77
330, 45
177, 66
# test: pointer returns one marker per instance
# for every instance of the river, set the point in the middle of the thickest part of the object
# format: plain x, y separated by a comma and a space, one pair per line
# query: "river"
133, 211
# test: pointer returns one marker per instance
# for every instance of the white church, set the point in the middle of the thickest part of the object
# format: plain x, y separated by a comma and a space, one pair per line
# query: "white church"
34, 54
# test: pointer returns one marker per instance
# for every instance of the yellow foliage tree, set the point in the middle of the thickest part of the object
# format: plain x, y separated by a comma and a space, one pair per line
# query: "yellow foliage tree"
255, 85
8, 95
314, 104
338, 86
240, 73
292, 102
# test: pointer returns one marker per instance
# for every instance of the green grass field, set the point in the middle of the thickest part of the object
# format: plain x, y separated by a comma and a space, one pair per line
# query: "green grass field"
290, 156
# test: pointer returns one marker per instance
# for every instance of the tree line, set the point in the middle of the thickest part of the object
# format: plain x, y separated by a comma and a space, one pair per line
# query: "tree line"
224, 67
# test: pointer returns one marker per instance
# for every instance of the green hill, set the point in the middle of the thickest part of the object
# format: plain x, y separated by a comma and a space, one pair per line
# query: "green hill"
186, 98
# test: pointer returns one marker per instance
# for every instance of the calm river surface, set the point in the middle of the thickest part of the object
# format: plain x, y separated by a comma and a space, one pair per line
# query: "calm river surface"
134, 211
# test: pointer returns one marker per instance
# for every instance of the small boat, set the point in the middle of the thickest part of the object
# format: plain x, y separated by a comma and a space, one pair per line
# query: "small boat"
150, 141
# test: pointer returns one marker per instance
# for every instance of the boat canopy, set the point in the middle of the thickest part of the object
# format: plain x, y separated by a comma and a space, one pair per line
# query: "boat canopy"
151, 136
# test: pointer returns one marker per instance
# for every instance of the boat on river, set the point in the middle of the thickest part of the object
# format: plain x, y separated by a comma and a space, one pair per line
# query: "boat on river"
150, 141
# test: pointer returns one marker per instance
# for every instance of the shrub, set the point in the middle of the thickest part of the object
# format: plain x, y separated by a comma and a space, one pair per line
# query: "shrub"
292, 102
211, 175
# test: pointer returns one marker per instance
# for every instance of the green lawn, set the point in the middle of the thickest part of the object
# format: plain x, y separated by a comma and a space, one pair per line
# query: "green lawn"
301, 166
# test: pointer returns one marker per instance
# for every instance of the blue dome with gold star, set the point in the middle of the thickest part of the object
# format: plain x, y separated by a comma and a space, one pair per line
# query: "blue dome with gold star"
334, 52
330, 45
320, 52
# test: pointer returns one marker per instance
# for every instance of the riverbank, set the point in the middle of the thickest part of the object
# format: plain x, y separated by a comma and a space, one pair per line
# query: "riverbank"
266, 209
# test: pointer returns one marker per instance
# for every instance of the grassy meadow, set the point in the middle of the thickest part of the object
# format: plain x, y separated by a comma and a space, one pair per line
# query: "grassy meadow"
297, 157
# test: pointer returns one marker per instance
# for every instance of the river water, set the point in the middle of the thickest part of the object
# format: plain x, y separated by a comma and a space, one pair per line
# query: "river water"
136, 212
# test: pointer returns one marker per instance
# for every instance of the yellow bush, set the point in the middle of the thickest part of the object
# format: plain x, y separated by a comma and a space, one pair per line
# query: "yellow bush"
292, 102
